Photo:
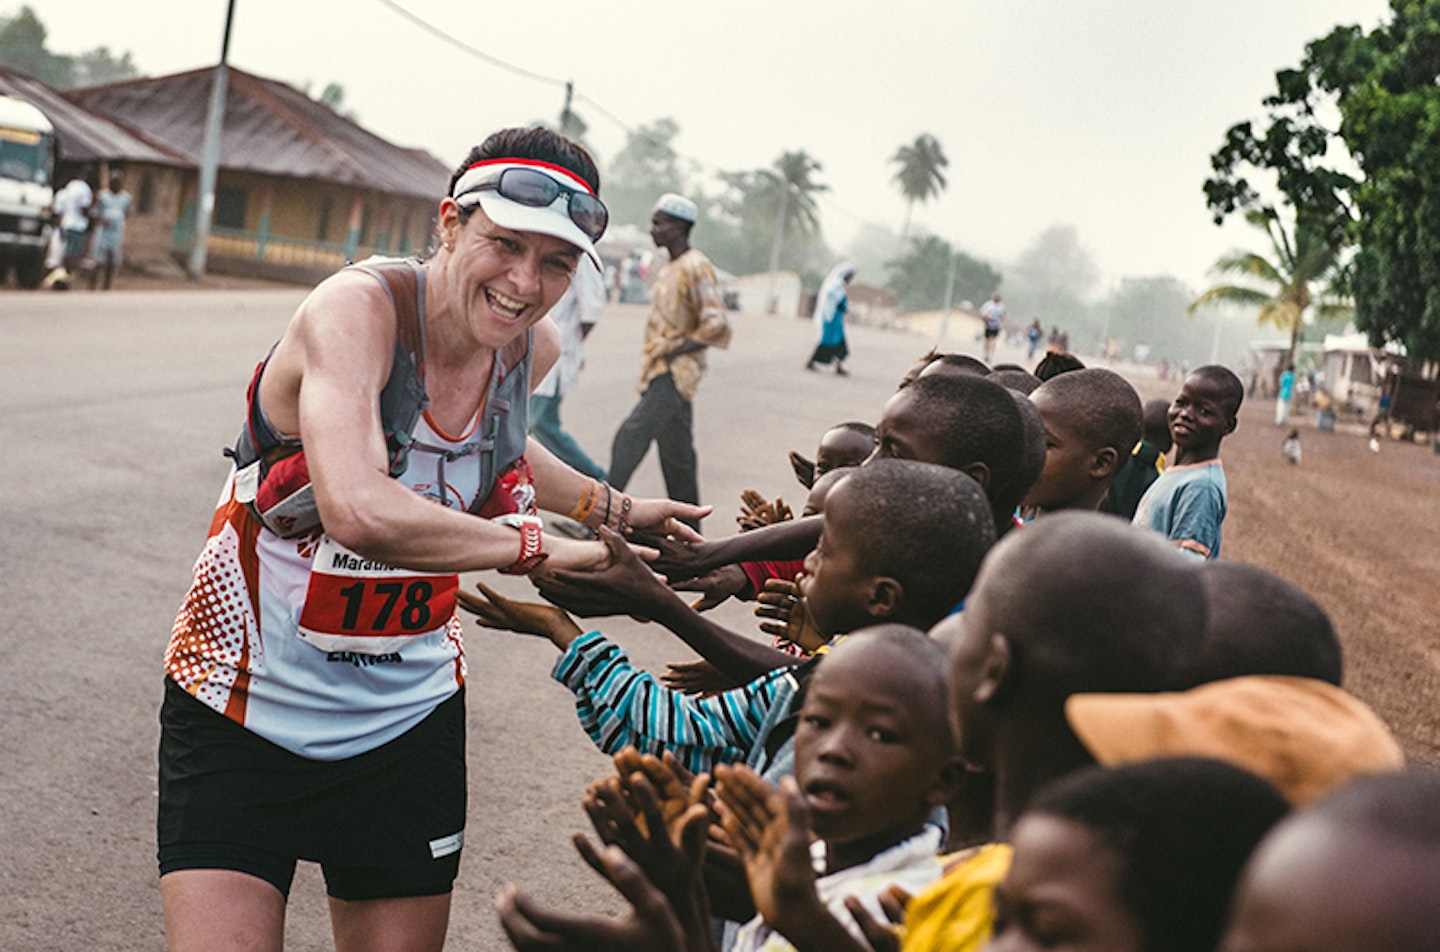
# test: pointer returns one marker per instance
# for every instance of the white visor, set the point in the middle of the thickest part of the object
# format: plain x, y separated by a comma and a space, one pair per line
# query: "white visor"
553, 219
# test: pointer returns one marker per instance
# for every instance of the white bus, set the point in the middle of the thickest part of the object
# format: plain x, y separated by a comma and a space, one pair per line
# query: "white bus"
27, 188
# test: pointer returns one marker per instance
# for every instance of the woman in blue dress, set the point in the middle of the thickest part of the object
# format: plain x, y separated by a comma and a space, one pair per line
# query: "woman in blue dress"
830, 307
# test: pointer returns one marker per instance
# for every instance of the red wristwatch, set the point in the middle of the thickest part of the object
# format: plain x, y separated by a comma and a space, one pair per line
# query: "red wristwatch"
531, 529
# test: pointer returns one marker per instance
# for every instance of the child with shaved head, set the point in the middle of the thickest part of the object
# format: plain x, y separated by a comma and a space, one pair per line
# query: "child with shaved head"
873, 758
1063, 607
1092, 421
1187, 503
900, 541
1359, 869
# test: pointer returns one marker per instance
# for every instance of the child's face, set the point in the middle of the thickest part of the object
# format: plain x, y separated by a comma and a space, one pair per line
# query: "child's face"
836, 583
840, 448
1072, 463
1063, 892
904, 433
867, 757
1201, 415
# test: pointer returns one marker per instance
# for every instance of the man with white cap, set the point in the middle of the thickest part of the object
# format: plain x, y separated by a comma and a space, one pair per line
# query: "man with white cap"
314, 702
687, 316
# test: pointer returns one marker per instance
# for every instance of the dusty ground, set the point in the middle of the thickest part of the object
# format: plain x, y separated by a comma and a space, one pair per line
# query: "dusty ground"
1355, 529
113, 410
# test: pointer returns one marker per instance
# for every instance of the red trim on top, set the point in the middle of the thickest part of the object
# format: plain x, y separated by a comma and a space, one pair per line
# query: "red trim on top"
470, 429
538, 164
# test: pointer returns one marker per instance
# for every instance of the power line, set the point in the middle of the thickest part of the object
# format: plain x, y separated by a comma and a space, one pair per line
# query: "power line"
580, 96
466, 47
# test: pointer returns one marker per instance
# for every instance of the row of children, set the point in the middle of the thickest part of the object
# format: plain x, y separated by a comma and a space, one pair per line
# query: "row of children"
930, 775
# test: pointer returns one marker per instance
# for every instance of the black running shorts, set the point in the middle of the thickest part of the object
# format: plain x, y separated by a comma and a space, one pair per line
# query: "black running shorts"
384, 824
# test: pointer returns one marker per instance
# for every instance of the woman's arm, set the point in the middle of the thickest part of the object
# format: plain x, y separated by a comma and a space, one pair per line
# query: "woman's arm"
324, 381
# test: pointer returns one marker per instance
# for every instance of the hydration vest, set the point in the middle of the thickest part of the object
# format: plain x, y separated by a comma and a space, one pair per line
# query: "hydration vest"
272, 477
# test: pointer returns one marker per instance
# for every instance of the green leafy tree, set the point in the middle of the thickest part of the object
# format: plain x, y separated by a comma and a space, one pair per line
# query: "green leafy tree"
643, 170
921, 176
1286, 286
22, 48
100, 66
919, 274
1384, 84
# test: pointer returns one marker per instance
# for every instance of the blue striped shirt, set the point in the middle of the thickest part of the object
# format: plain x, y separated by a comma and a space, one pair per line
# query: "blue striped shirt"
620, 705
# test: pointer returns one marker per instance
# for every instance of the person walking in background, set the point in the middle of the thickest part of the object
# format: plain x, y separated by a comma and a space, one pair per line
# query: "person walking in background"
830, 306
112, 207
687, 317
1284, 394
575, 315
71, 207
993, 311
1032, 339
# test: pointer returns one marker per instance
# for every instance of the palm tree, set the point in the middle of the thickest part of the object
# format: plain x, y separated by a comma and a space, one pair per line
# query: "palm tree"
920, 177
793, 190
1300, 260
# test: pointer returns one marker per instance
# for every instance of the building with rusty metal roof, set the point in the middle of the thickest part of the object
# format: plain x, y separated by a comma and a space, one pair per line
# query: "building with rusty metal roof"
300, 190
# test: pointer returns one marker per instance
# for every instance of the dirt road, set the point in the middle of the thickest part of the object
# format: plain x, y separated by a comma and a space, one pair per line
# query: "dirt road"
113, 411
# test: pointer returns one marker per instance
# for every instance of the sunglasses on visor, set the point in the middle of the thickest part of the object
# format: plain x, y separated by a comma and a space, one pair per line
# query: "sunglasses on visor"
538, 190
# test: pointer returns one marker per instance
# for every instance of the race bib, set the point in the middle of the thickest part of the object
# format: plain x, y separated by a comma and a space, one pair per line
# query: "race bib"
357, 604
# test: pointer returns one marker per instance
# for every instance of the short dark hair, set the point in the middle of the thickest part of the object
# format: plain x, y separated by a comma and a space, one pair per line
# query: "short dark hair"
1101, 405
1092, 604
926, 658
1057, 362
1183, 829
538, 143
1156, 428
1016, 379
1032, 461
962, 363
1258, 623
978, 422
1231, 389
926, 526
855, 426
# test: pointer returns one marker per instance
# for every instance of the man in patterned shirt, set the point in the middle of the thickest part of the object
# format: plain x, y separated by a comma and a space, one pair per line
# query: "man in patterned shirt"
687, 316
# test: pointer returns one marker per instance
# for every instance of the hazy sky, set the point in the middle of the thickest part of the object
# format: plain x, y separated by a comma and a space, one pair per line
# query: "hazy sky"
1099, 114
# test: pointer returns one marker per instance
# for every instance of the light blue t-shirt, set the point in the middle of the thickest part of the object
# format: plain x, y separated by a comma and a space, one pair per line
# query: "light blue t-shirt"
1187, 506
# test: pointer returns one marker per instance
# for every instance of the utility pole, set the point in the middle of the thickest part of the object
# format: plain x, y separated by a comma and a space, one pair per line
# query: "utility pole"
949, 294
210, 160
775, 244
565, 121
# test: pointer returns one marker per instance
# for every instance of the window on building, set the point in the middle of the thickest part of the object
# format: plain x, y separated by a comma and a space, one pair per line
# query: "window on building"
322, 229
145, 201
229, 207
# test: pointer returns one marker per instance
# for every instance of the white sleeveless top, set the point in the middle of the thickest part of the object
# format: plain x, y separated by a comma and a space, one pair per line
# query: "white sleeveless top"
313, 647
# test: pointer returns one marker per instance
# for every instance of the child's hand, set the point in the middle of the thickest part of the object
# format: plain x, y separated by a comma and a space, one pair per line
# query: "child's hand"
781, 601
651, 923
883, 937
715, 586
756, 512
803, 468
528, 618
677, 559
770, 828
626, 587
675, 789
672, 864
696, 678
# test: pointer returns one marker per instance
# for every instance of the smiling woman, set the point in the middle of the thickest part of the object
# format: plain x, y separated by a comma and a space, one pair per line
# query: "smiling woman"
316, 668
